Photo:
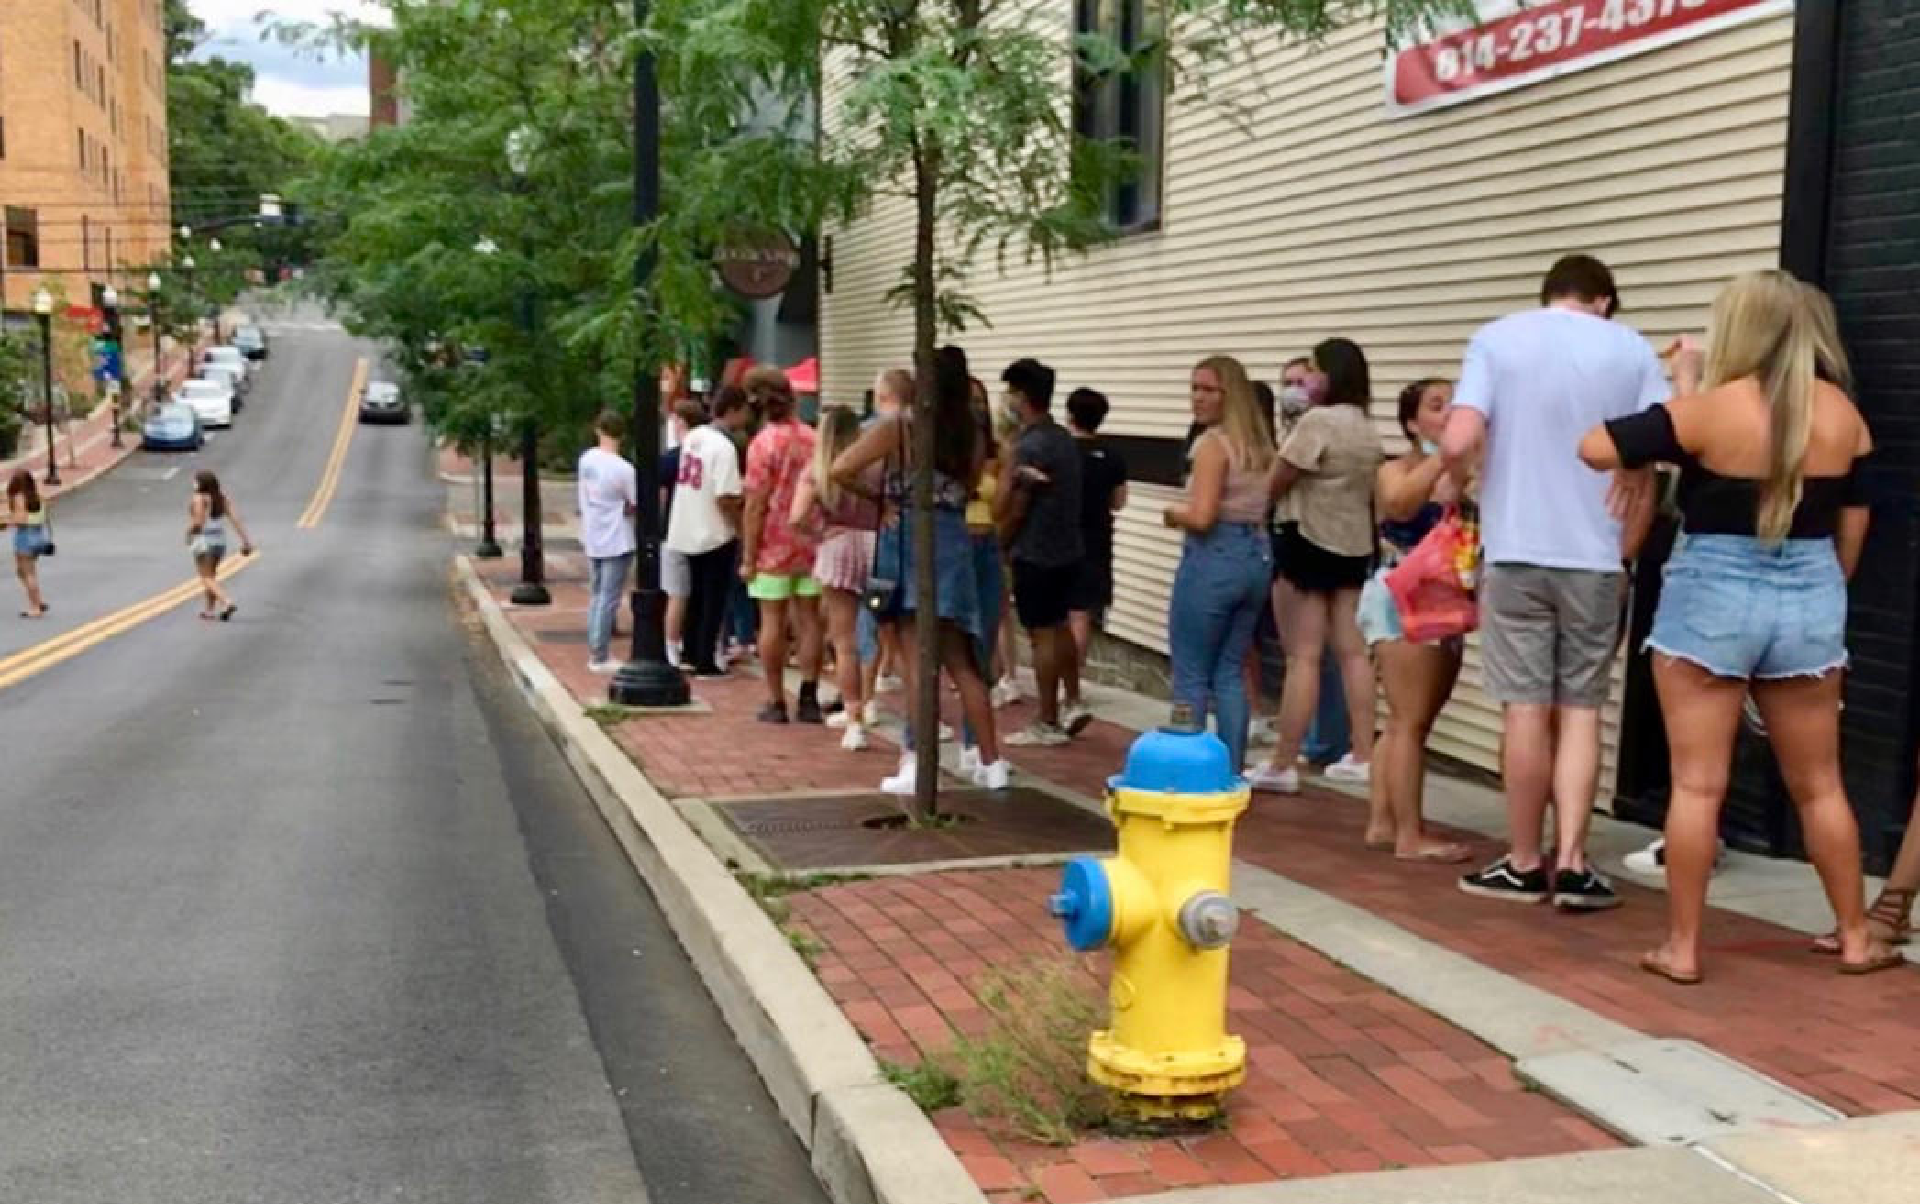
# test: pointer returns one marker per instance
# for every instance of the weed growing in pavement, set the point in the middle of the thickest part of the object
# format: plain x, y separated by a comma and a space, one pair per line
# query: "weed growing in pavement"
927, 1083
608, 714
1028, 1070
808, 946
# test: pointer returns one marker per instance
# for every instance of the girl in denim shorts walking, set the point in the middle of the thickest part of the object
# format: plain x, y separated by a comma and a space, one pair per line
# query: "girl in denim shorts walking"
1756, 592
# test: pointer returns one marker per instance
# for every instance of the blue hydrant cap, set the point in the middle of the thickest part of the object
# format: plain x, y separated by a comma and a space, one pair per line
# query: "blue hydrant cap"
1084, 904
1180, 758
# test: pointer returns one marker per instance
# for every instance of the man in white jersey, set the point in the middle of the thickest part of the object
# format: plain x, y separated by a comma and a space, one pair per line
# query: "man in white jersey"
1532, 384
705, 526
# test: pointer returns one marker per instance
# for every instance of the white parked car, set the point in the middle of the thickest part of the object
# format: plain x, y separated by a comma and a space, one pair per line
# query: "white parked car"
229, 376
210, 399
228, 355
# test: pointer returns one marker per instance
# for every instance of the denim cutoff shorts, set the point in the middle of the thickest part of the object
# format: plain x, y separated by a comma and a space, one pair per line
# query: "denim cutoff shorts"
1740, 608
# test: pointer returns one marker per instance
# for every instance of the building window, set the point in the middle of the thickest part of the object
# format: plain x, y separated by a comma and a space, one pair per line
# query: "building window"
23, 237
86, 243
79, 68
1125, 106
83, 149
3, 137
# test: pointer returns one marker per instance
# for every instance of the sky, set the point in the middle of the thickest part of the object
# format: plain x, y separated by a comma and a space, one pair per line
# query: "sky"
290, 82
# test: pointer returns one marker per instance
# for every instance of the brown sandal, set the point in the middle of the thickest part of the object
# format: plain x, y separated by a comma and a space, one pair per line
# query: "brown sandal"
1892, 911
1884, 958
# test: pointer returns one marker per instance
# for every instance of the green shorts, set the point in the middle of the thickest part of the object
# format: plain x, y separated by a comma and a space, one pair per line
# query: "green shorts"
770, 587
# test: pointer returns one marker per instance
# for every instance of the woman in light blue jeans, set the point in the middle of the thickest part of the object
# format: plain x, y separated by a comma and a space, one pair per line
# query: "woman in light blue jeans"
1226, 561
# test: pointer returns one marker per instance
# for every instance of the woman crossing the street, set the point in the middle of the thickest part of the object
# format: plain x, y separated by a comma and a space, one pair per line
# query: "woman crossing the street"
27, 515
208, 515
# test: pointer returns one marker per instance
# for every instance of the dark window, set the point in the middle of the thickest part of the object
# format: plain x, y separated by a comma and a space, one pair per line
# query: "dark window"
23, 237
79, 68
1125, 105
83, 149
86, 243
3, 137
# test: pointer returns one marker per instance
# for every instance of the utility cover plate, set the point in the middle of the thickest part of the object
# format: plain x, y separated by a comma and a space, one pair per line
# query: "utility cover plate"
853, 830
1659, 1092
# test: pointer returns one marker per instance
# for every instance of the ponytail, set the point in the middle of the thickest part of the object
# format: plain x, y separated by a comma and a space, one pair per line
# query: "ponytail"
1789, 383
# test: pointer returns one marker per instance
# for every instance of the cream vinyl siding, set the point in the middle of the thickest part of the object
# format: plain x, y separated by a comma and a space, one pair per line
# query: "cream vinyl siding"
1310, 213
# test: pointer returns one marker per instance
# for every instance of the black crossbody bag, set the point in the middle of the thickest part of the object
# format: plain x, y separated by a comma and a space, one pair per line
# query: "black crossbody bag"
882, 597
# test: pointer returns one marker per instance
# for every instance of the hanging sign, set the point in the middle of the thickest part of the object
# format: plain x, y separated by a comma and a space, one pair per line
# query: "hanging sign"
757, 264
1521, 42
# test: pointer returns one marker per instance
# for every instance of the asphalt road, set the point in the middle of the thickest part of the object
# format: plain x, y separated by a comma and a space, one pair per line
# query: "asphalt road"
303, 907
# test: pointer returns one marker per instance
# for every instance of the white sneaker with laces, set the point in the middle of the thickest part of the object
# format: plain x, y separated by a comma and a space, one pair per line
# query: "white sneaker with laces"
1039, 735
997, 776
871, 713
1260, 731
603, 668
887, 683
1346, 769
837, 719
969, 759
902, 780
1075, 717
1005, 693
946, 733
855, 739
1276, 781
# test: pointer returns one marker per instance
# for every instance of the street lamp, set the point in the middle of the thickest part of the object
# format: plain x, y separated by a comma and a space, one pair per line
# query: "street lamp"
153, 320
110, 302
647, 679
489, 547
187, 266
213, 247
532, 590
43, 311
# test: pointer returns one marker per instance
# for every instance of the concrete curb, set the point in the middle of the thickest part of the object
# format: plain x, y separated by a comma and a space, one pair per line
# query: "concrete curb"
869, 1143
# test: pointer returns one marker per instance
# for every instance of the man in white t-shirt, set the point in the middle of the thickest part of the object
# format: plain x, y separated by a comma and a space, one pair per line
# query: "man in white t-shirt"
609, 494
1532, 385
705, 526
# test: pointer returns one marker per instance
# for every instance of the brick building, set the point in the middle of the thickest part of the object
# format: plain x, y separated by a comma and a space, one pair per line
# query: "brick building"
83, 145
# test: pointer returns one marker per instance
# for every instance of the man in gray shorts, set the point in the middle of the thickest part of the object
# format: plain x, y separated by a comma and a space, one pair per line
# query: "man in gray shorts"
1532, 385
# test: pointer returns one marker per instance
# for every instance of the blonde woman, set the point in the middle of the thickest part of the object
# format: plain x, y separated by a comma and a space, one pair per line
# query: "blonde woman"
1225, 559
1756, 592
846, 522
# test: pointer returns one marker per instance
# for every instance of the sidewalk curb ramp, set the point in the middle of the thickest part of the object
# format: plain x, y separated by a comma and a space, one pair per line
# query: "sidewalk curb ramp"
869, 1143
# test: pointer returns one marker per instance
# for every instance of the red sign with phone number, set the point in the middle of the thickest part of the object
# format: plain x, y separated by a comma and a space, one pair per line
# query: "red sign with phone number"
1510, 49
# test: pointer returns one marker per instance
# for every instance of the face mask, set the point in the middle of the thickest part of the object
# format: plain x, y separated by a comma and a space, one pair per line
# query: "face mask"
1011, 411
1294, 400
1316, 386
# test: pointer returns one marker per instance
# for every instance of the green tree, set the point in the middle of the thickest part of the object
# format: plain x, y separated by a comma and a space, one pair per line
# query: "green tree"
956, 106
15, 366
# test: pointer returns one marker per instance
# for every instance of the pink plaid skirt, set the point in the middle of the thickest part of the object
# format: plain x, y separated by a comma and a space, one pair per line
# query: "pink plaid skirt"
845, 559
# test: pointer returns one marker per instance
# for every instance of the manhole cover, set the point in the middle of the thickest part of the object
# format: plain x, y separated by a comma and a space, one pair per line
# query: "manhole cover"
872, 829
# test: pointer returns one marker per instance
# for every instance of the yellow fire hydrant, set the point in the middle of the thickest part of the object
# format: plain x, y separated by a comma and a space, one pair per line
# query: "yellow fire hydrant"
1162, 904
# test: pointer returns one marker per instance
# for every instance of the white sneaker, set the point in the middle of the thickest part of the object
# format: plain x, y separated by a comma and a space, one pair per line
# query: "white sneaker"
1652, 860
855, 739
1005, 693
946, 733
1346, 769
997, 776
903, 778
871, 713
969, 760
1277, 781
837, 719
603, 668
887, 683
1075, 717
1260, 731
673, 653
1039, 735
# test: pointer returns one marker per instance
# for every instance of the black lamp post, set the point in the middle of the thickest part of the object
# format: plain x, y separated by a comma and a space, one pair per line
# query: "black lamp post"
43, 312
489, 548
153, 320
110, 302
532, 590
188, 306
647, 679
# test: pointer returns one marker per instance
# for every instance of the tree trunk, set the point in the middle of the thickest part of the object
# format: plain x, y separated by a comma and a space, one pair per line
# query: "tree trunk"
926, 625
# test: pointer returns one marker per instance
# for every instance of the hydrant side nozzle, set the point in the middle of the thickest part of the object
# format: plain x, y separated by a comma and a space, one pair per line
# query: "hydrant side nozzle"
1084, 904
1209, 920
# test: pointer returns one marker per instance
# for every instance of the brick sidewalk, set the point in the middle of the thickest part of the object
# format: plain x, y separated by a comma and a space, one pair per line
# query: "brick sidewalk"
84, 450
1343, 1075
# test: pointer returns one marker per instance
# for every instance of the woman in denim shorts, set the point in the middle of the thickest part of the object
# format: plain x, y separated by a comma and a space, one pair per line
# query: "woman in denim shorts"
27, 515
1756, 591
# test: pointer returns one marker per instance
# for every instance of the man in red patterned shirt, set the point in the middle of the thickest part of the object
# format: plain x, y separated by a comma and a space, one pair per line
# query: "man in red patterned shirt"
776, 558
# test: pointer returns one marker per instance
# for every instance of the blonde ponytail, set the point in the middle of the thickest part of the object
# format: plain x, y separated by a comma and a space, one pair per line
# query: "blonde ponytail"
1789, 383
1765, 329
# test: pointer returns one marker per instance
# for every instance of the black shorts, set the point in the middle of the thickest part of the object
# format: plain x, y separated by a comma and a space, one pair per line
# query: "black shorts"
1092, 589
1042, 596
1308, 566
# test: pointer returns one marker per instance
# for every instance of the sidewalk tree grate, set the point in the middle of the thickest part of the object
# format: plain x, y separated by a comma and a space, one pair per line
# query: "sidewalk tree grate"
869, 829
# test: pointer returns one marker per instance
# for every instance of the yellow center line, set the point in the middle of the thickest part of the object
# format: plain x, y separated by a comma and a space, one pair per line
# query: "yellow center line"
26, 663
337, 459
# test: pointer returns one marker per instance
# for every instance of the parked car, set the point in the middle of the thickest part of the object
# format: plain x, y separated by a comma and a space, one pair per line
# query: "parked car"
210, 399
172, 426
229, 376
252, 342
381, 402
225, 354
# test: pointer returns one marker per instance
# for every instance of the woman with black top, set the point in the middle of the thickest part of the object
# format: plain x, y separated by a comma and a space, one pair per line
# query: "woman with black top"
1756, 591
